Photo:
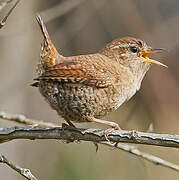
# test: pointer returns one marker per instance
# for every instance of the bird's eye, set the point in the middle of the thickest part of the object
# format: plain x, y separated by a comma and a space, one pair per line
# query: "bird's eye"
133, 49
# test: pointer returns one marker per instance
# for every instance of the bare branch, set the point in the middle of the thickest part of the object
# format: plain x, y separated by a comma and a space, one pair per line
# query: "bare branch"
71, 134
2, 5
23, 120
24, 172
95, 135
149, 157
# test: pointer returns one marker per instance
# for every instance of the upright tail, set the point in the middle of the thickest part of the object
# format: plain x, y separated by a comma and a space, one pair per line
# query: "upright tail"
49, 56
43, 29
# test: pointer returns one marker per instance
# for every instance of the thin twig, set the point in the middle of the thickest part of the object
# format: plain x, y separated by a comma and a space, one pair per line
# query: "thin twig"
71, 134
149, 157
2, 5
19, 118
24, 172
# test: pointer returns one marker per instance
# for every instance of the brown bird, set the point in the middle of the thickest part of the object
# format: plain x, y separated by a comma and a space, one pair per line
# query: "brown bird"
85, 88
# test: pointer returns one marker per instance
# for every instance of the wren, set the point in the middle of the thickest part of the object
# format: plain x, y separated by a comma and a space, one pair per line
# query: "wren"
85, 88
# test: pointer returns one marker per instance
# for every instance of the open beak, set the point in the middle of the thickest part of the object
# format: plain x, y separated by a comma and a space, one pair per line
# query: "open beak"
146, 59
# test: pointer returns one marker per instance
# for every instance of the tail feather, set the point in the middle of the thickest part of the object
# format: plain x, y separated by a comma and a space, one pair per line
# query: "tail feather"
49, 56
43, 28
35, 84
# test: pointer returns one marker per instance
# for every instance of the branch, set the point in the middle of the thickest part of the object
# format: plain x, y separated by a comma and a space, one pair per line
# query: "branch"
24, 172
70, 134
95, 135
19, 118
2, 6
149, 157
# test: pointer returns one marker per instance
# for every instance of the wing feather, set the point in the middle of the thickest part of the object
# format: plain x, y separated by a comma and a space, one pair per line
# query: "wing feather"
89, 70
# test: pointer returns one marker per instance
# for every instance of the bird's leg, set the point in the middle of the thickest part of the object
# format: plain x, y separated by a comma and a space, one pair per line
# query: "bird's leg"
113, 125
68, 126
70, 123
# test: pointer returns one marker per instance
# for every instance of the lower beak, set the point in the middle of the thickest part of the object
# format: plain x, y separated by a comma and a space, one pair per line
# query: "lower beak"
146, 59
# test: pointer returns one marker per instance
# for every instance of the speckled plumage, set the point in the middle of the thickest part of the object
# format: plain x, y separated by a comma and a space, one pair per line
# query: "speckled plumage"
85, 86
76, 92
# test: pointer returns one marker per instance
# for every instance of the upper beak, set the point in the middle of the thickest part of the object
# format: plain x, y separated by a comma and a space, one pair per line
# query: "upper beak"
146, 59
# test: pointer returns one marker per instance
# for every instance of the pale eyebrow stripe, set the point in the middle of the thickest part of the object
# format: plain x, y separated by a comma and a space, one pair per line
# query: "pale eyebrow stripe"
119, 46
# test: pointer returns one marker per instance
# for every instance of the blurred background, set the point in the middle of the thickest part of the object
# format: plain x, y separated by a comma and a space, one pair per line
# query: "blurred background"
81, 27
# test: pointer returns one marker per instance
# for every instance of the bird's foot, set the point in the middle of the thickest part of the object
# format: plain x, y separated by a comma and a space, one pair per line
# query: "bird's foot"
96, 146
110, 130
66, 127
113, 125
70, 123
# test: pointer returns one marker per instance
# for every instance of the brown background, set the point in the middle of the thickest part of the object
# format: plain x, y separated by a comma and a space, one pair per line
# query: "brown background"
79, 27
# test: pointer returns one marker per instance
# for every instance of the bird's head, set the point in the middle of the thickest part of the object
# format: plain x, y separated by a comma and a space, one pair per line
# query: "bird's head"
131, 52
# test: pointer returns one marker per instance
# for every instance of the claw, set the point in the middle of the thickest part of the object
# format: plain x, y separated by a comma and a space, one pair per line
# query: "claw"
96, 146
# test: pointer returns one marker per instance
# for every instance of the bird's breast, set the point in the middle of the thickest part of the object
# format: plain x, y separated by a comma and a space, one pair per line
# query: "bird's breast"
74, 102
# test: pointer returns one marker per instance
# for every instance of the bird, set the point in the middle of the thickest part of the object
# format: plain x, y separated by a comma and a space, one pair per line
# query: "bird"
85, 88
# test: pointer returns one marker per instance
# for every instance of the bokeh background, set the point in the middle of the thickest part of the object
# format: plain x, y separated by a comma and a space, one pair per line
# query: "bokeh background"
80, 27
